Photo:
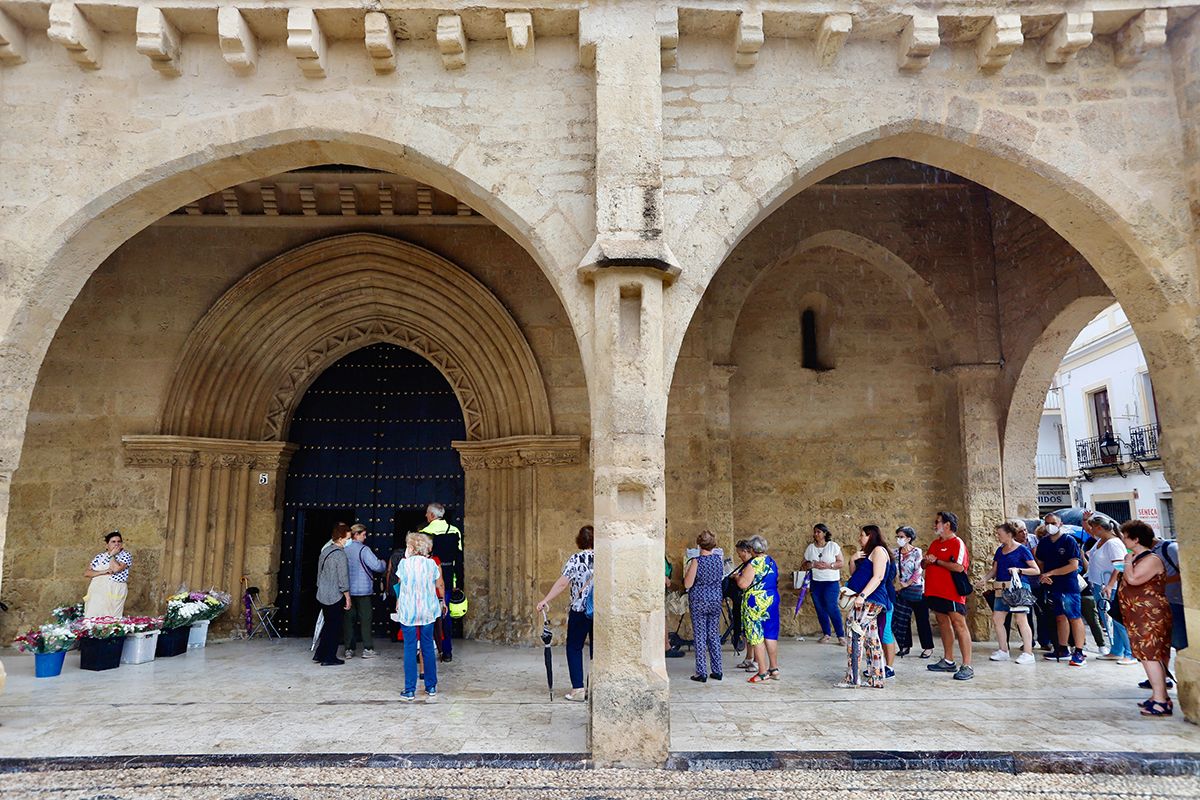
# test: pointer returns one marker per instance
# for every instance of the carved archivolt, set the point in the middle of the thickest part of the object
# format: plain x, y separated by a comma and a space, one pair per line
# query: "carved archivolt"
520, 451
249, 361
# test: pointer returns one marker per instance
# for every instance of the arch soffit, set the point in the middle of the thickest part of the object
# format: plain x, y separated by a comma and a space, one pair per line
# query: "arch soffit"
1102, 224
1024, 407
253, 355
919, 292
180, 165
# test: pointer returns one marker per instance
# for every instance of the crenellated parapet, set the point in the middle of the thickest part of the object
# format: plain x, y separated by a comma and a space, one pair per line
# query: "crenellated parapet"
994, 31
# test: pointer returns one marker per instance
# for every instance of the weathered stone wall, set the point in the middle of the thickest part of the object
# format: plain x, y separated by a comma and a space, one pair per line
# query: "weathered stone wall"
109, 369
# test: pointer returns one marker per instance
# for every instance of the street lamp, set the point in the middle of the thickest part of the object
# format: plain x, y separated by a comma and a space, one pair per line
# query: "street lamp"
1110, 447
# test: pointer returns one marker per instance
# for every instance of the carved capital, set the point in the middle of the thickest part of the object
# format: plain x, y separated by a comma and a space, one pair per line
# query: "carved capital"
519, 451
196, 451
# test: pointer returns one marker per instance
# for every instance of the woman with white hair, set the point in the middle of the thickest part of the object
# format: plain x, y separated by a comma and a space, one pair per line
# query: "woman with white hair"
417, 608
759, 583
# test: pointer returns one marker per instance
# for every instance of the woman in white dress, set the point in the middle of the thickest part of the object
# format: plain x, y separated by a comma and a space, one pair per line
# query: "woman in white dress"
109, 572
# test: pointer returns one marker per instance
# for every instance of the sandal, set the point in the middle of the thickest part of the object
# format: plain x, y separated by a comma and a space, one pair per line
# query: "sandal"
758, 677
746, 664
773, 674
1156, 709
926, 653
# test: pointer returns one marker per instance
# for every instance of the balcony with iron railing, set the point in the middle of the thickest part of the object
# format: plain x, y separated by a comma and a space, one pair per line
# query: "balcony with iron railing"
1143, 442
1098, 451
1051, 465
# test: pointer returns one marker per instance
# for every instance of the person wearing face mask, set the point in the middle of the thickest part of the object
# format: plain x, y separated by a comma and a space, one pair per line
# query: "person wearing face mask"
910, 595
1058, 559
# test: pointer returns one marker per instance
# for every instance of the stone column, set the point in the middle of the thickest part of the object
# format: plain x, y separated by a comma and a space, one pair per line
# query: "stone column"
223, 512
501, 521
628, 265
982, 478
5, 485
719, 497
1175, 386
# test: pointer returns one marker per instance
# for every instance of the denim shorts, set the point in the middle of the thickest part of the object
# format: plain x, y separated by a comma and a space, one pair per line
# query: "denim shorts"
998, 604
1067, 605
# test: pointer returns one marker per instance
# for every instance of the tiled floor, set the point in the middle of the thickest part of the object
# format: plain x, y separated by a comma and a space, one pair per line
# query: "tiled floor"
260, 697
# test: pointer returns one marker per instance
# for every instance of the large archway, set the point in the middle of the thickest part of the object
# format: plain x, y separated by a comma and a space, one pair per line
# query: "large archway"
248, 363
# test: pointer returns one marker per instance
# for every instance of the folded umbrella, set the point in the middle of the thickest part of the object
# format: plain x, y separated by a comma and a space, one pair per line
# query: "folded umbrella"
547, 635
804, 584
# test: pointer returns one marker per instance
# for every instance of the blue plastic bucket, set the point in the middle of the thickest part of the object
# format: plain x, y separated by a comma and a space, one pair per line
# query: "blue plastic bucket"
48, 665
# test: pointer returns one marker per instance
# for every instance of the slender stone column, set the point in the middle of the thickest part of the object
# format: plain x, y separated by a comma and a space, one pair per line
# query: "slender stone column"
982, 477
628, 264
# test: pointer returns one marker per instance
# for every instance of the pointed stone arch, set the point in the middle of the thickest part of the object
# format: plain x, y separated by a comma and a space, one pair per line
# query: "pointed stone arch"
251, 357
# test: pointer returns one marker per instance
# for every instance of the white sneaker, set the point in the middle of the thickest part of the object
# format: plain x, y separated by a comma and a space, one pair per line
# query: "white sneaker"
1104, 650
368, 653
1127, 662
1026, 658
999, 655
576, 695
349, 654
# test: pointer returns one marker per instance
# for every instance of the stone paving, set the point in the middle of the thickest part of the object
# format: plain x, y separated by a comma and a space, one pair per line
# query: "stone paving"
260, 697
284, 783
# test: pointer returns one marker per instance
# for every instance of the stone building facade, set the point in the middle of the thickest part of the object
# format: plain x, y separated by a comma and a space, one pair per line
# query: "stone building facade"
707, 265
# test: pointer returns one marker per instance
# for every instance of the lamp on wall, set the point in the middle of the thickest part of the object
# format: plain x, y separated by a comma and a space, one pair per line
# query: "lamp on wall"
1110, 450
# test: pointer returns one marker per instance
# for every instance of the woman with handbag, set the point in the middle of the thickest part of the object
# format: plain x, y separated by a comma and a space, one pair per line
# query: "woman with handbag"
870, 605
910, 597
1012, 565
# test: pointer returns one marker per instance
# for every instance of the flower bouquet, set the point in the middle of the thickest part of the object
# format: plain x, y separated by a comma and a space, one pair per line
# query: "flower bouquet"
49, 644
65, 615
101, 640
141, 639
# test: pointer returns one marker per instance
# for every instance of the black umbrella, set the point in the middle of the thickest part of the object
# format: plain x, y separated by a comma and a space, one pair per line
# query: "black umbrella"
547, 635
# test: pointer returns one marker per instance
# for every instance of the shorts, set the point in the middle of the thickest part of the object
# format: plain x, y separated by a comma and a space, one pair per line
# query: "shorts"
999, 605
940, 605
885, 628
1178, 629
1066, 605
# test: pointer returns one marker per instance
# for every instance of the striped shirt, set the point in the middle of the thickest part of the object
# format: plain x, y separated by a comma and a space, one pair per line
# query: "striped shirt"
418, 602
101, 562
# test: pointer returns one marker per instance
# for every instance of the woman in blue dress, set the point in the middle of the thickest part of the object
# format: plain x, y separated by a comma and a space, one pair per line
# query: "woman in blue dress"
702, 580
759, 582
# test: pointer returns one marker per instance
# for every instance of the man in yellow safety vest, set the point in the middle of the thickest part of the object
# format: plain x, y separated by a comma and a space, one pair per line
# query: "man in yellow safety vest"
448, 547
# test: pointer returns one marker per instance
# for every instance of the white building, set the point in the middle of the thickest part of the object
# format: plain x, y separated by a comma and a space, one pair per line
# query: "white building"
1098, 441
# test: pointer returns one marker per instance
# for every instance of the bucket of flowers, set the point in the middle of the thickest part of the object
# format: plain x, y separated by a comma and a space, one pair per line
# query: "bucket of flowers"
65, 615
215, 604
141, 639
49, 644
183, 609
101, 640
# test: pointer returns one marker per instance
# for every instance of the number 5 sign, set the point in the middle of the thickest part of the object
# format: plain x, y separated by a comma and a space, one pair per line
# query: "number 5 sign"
263, 479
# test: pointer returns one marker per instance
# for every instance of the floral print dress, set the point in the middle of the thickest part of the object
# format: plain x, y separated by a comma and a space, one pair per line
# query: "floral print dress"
760, 601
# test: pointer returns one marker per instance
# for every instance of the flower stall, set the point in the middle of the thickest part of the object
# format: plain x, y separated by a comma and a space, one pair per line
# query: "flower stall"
141, 639
101, 640
49, 644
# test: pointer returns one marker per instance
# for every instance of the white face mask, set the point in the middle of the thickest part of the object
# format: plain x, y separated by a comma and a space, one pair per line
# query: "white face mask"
900, 540
1051, 530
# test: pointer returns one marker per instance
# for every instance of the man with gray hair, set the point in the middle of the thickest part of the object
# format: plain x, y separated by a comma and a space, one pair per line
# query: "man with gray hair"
448, 548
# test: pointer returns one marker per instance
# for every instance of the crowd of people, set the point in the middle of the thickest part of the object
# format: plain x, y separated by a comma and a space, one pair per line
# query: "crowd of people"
1050, 585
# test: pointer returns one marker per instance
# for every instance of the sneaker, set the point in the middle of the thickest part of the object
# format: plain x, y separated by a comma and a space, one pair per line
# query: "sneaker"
1105, 650
1026, 658
1059, 656
447, 658
845, 685
999, 655
1126, 662
349, 654
888, 672
1110, 656
431, 695
964, 673
1078, 659
576, 695
407, 697
368, 653
942, 666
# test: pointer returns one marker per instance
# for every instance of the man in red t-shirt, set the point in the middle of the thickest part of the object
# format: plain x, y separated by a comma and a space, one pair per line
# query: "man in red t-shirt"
946, 554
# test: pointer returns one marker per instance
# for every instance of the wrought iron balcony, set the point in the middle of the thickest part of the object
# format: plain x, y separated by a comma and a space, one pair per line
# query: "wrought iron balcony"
1051, 465
1098, 451
1143, 442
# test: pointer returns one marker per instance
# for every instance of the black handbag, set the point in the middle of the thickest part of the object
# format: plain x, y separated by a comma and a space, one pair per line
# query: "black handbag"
962, 583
